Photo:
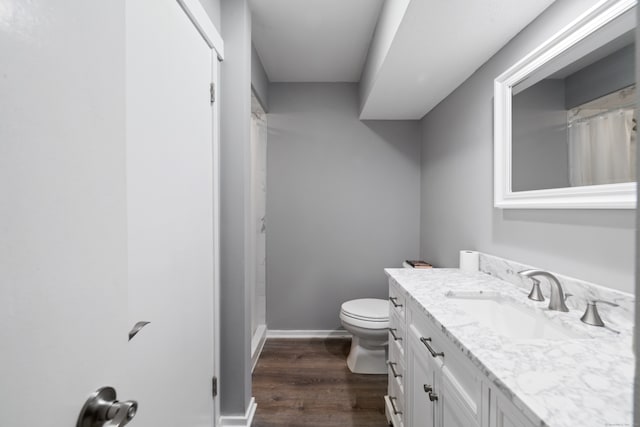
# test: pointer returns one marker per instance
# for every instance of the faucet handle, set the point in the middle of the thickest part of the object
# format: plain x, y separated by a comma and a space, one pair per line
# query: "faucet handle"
556, 298
536, 293
591, 315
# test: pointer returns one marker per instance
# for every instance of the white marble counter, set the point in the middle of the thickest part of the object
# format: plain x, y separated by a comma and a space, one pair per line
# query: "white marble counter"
587, 381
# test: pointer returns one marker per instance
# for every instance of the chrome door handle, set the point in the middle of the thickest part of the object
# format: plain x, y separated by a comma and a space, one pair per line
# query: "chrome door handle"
434, 353
392, 400
103, 410
392, 331
393, 301
393, 369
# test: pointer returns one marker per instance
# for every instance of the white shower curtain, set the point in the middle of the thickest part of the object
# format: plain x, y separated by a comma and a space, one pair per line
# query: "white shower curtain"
602, 149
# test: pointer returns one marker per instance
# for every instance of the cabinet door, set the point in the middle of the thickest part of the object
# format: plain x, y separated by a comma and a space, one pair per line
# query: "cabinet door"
454, 412
504, 413
423, 381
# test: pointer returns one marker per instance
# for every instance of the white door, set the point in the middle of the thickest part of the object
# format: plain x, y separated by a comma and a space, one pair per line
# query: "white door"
63, 258
107, 211
170, 202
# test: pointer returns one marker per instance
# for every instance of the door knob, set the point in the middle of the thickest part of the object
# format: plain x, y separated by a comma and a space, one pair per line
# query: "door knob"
103, 410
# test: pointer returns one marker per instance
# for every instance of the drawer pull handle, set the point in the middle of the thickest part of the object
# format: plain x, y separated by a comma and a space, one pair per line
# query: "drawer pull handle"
427, 388
393, 405
392, 331
393, 369
433, 396
426, 341
393, 301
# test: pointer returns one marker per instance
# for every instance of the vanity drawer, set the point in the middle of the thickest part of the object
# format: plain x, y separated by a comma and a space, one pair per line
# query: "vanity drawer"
397, 300
394, 405
462, 378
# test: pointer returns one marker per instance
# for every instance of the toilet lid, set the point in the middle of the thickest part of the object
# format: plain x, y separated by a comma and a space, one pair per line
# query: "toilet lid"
367, 309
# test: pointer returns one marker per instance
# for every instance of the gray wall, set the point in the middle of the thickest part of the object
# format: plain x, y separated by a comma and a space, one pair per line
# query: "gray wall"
603, 77
259, 80
539, 143
457, 185
342, 203
235, 330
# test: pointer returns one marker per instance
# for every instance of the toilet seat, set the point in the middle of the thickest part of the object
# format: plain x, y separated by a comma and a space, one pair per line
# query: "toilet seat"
368, 313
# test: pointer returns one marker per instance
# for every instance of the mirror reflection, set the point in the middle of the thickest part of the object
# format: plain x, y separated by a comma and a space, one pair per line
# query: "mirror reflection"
574, 124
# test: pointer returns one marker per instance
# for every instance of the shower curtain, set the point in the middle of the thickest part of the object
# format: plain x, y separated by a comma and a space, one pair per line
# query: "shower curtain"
602, 149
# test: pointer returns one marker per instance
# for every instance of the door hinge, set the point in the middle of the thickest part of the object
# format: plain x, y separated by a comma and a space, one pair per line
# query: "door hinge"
212, 92
214, 386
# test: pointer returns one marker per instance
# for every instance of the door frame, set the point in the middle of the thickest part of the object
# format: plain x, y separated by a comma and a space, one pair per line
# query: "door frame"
202, 22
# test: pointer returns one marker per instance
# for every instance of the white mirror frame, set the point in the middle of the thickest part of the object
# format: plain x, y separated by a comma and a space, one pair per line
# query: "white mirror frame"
609, 196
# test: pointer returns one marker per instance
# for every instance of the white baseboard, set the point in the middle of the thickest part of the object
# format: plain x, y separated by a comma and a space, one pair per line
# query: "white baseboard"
339, 333
240, 420
257, 344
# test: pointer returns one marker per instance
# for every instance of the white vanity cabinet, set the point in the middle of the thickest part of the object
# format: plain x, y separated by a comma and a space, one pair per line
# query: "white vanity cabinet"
440, 386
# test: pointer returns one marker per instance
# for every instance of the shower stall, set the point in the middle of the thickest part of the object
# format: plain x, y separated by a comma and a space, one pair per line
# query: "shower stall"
257, 232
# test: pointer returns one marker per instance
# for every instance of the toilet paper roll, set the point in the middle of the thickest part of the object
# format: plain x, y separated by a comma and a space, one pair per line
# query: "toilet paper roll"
469, 261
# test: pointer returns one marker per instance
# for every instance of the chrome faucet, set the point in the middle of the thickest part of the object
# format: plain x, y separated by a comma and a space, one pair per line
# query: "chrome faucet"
556, 301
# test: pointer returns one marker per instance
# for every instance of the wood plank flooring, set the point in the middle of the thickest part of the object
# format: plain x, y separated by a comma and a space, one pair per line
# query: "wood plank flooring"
306, 383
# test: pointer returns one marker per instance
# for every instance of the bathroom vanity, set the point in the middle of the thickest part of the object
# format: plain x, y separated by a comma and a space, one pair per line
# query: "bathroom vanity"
469, 349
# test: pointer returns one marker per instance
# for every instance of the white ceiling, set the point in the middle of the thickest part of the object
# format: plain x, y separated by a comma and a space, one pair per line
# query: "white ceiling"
437, 46
313, 40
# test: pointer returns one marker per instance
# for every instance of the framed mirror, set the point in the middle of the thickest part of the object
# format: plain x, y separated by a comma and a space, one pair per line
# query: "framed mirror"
564, 117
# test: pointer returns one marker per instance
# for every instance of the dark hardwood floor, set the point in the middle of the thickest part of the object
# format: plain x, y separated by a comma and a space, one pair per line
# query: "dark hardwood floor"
306, 382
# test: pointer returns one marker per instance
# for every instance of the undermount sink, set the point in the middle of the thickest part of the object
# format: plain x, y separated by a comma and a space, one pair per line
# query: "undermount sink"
508, 318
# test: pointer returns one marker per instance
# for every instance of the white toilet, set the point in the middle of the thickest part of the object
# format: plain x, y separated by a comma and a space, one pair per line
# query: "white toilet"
367, 320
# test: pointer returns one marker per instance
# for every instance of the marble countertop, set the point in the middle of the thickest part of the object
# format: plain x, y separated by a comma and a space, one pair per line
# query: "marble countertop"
585, 381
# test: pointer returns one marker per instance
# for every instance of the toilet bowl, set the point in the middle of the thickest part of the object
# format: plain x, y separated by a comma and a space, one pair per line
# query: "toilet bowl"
367, 320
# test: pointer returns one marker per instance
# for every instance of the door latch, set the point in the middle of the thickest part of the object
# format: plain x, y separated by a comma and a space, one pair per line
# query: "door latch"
136, 328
